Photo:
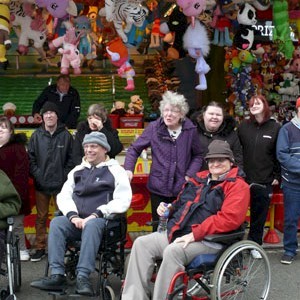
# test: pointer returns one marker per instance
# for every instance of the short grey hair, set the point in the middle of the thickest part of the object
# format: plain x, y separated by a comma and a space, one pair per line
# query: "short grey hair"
174, 99
99, 110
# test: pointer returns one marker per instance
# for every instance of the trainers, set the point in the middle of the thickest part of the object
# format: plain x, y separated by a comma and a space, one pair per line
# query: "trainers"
83, 286
24, 255
255, 254
287, 259
38, 255
53, 283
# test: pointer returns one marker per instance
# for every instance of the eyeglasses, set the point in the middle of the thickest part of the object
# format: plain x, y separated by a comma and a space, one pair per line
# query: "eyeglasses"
49, 113
171, 111
220, 160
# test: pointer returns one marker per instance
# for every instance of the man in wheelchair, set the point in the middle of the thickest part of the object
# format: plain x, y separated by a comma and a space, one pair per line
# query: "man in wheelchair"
214, 201
94, 190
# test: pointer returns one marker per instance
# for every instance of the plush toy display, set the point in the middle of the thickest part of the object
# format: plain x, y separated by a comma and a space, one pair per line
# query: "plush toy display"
9, 109
126, 12
245, 37
69, 50
118, 108
196, 41
192, 8
290, 85
118, 55
5, 42
135, 107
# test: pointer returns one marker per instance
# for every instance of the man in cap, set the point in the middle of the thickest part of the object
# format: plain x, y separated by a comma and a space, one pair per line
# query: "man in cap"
95, 189
214, 201
65, 97
288, 154
50, 158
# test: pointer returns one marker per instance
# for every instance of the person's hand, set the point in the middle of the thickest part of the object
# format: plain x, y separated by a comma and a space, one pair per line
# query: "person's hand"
77, 222
275, 182
84, 221
185, 239
162, 208
187, 178
37, 118
98, 123
129, 174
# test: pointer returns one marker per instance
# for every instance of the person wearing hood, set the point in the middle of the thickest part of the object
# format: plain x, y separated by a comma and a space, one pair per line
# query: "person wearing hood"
96, 121
50, 158
95, 189
213, 124
258, 137
288, 154
14, 163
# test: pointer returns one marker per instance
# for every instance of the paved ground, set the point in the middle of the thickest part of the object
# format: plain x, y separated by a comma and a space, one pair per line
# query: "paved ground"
285, 279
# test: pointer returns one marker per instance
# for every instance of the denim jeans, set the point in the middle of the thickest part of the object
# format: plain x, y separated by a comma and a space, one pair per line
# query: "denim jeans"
291, 218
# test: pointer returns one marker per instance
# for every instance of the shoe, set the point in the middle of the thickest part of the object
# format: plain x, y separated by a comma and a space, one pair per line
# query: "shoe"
24, 255
287, 259
83, 286
53, 283
255, 254
38, 255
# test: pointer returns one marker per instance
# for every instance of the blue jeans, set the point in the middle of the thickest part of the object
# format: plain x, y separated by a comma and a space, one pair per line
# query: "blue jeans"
291, 218
61, 231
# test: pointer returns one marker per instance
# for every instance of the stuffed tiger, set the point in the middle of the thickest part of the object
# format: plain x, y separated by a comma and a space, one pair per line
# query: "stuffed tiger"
127, 11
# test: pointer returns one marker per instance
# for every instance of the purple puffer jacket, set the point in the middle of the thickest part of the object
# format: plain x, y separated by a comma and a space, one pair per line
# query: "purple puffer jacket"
171, 160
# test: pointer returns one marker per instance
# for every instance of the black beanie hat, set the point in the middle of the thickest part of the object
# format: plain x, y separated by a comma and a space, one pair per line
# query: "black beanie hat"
50, 106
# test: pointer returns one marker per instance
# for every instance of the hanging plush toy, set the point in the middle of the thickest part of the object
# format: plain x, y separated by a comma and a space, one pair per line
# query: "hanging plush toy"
126, 12
69, 50
196, 41
5, 42
192, 8
118, 55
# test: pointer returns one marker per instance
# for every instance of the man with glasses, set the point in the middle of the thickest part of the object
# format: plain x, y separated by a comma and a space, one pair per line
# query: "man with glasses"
50, 157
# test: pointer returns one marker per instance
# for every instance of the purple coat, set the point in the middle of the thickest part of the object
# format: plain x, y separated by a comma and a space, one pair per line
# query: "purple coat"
171, 160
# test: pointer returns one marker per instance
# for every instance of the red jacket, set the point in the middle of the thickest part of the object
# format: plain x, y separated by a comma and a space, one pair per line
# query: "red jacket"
206, 207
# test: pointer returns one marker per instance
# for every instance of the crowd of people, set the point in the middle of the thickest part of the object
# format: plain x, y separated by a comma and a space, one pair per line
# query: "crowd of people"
206, 170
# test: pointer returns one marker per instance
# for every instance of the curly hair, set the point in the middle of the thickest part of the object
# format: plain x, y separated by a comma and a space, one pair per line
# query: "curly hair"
174, 99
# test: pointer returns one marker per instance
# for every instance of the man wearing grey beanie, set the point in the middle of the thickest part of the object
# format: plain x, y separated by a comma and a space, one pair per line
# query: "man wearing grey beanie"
95, 189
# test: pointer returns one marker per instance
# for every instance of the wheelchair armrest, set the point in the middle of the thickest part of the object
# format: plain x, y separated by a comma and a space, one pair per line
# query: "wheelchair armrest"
224, 237
58, 213
116, 216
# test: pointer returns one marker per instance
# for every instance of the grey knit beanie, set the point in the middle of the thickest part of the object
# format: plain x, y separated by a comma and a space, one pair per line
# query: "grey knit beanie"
96, 137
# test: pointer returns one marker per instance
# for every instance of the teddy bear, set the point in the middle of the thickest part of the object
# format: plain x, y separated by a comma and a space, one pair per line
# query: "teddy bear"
9, 109
135, 107
118, 108
5, 42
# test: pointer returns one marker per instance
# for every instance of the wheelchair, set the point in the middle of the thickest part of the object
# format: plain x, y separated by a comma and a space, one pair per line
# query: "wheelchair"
10, 272
230, 274
111, 258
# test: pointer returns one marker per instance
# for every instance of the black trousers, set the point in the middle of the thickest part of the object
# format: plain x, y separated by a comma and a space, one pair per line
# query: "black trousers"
259, 207
155, 201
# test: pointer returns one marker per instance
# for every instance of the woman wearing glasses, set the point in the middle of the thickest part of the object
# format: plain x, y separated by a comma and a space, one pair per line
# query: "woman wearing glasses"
175, 150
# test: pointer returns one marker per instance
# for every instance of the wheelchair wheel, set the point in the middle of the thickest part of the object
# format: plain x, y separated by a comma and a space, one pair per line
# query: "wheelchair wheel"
108, 293
238, 275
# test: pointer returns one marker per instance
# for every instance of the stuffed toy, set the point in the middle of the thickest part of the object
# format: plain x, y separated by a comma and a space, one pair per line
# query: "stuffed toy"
69, 50
9, 109
177, 23
192, 8
245, 37
118, 108
58, 8
87, 46
118, 55
31, 31
290, 85
5, 42
126, 12
196, 41
135, 107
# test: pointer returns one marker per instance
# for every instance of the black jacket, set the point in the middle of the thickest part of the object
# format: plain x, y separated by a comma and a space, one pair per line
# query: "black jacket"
50, 158
259, 150
226, 133
110, 133
69, 107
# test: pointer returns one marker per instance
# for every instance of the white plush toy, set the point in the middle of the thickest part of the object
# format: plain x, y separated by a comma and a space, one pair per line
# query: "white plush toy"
196, 42
127, 12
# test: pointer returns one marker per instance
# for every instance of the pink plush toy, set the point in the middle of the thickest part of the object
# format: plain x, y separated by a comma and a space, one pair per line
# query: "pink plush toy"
192, 8
196, 42
69, 51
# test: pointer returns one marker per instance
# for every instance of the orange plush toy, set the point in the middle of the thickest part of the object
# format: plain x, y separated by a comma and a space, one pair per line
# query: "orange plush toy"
118, 55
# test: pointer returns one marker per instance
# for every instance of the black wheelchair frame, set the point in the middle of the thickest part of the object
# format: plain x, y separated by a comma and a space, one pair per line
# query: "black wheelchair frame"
111, 258
11, 264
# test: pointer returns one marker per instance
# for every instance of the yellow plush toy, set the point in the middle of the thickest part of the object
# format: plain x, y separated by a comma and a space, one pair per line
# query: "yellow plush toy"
118, 108
5, 42
135, 107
